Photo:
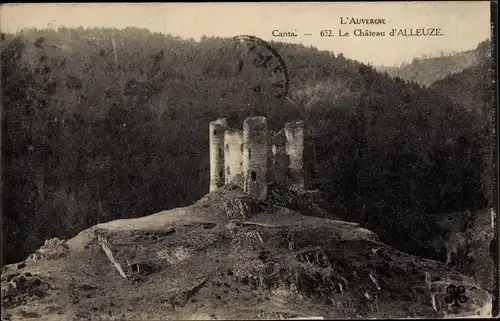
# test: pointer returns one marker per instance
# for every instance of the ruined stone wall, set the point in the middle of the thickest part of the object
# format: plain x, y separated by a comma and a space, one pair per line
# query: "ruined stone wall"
278, 159
294, 132
233, 157
255, 156
217, 130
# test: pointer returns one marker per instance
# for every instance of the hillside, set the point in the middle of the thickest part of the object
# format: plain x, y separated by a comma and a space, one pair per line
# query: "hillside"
106, 124
229, 257
426, 71
472, 88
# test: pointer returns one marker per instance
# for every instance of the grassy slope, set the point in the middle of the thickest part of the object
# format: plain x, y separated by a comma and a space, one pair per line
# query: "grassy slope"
208, 262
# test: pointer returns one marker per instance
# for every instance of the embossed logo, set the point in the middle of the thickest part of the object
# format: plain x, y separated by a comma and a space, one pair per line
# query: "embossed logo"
456, 294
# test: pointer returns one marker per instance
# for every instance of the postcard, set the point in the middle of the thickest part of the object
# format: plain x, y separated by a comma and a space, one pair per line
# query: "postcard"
295, 160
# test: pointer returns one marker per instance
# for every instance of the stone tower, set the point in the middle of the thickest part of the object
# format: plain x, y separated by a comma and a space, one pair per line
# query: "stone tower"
255, 156
294, 132
217, 132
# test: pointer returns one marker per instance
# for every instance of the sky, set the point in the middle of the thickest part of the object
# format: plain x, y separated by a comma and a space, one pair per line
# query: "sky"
463, 23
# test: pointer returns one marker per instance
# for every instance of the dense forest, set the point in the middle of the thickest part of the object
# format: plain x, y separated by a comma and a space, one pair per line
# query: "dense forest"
100, 124
427, 70
469, 87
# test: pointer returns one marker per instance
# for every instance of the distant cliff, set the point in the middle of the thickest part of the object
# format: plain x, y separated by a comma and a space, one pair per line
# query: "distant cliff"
426, 71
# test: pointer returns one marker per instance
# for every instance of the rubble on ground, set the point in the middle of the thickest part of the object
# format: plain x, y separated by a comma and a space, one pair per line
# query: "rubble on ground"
18, 288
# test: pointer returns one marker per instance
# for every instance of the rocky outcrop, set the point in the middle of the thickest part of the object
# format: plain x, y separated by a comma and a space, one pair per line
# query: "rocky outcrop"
52, 249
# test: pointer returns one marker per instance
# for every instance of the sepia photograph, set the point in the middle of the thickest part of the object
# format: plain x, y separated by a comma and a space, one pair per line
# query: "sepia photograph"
259, 160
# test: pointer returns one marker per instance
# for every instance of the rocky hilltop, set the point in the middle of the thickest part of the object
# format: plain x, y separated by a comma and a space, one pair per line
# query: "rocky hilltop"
427, 70
229, 256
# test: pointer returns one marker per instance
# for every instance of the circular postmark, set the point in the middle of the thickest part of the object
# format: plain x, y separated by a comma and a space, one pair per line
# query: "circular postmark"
264, 68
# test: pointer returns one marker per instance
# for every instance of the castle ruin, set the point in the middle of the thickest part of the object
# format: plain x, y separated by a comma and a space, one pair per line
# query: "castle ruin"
255, 157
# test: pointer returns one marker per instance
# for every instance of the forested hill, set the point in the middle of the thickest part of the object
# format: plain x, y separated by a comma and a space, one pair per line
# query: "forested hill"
472, 87
100, 124
426, 71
